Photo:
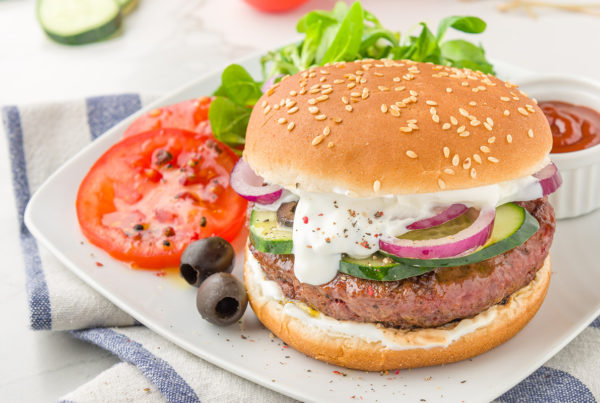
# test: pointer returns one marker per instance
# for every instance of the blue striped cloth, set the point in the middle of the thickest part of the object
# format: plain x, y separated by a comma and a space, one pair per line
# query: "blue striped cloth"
41, 138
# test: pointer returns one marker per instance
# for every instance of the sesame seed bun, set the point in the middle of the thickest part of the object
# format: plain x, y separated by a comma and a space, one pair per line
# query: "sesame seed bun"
394, 127
426, 347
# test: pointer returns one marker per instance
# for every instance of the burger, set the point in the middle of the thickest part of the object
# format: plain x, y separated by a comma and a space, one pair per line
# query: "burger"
400, 216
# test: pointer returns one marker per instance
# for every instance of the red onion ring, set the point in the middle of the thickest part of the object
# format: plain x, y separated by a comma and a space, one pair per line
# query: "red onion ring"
446, 215
463, 241
249, 185
549, 178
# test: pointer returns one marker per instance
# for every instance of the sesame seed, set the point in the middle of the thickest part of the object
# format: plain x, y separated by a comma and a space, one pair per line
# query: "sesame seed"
413, 99
487, 126
355, 94
508, 138
378, 74
293, 110
411, 121
312, 75
317, 140
264, 103
322, 98
463, 112
270, 91
406, 129
337, 120
376, 186
289, 103
338, 81
291, 126
395, 108
413, 126
446, 152
467, 163
351, 85
482, 88
455, 160
321, 117
396, 79
475, 122
475, 89
326, 131
276, 107
433, 111
530, 133
489, 121
394, 112
473, 103
384, 108
324, 72
492, 159
413, 93
401, 88
530, 108
267, 109
465, 83
365, 93
466, 133
522, 111
448, 90
327, 91
314, 91
453, 120
506, 112
446, 126
477, 158
382, 88
345, 100
449, 171
491, 140
441, 183
460, 129
435, 118
302, 91
282, 121
330, 144
473, 173
400, 104
484, 149
349, 108
313, 109
505, 99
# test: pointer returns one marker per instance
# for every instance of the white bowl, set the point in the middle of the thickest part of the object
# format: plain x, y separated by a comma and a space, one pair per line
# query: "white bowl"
580, 170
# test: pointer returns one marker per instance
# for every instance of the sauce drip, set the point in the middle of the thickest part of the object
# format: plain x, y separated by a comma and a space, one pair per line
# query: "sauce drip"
574, 127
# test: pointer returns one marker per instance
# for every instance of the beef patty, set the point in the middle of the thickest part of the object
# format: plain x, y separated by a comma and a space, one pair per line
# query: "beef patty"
428, 300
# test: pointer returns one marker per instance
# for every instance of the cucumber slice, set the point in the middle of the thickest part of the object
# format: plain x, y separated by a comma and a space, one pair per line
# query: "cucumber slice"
76, 22
381, 268
512, 227
266, 235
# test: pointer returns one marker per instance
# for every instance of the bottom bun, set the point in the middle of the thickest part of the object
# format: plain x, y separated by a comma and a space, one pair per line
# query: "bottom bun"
372, 347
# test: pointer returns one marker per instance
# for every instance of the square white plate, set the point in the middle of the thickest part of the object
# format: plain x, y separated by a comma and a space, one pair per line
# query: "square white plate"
167, 305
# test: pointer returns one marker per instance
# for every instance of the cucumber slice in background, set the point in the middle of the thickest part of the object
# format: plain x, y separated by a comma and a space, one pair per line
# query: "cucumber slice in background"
512, 227
266, 235
76, 22
379, 267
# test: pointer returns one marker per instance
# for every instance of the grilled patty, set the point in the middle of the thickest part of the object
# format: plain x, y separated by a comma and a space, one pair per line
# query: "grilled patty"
428, 300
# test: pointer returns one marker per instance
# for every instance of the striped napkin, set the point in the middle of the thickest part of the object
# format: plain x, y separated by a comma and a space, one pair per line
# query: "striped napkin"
41, 138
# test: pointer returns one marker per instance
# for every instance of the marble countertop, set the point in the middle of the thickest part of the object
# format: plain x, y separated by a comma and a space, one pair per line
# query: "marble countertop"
164, 45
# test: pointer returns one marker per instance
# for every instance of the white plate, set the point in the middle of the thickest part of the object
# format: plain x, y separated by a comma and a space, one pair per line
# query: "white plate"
167, 305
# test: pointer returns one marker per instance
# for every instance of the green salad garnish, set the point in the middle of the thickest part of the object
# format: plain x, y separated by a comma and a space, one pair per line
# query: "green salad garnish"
345, 33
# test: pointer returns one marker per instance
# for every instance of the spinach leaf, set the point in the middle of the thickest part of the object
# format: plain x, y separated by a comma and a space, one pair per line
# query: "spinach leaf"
346, 44
468, 24
239, 86
464, 54
228, 120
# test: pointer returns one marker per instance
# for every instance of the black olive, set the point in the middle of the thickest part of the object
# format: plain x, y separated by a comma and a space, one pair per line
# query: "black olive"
205, 257
222, 299
285, 213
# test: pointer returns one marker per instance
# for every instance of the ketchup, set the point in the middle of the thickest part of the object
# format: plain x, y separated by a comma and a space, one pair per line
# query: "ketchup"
574, 127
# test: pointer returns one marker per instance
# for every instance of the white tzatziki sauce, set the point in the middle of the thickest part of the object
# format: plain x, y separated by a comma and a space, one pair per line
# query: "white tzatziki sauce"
326, 225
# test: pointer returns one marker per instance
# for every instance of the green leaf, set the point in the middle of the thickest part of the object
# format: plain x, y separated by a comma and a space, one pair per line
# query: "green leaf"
426, 47
468, 24
239, 85
370, 39
228, 120
314, 17
464, 54
346, 44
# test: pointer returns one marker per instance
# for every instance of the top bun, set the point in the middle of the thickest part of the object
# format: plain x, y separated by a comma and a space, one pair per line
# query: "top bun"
375, 127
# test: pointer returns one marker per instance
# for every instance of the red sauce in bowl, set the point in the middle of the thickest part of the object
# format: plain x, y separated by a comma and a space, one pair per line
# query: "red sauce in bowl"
574, 127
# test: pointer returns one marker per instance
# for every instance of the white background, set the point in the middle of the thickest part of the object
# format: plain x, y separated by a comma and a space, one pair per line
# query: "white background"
165, 44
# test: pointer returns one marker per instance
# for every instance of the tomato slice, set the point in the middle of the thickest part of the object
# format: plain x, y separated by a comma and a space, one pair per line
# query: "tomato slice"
187, 115
151, 194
